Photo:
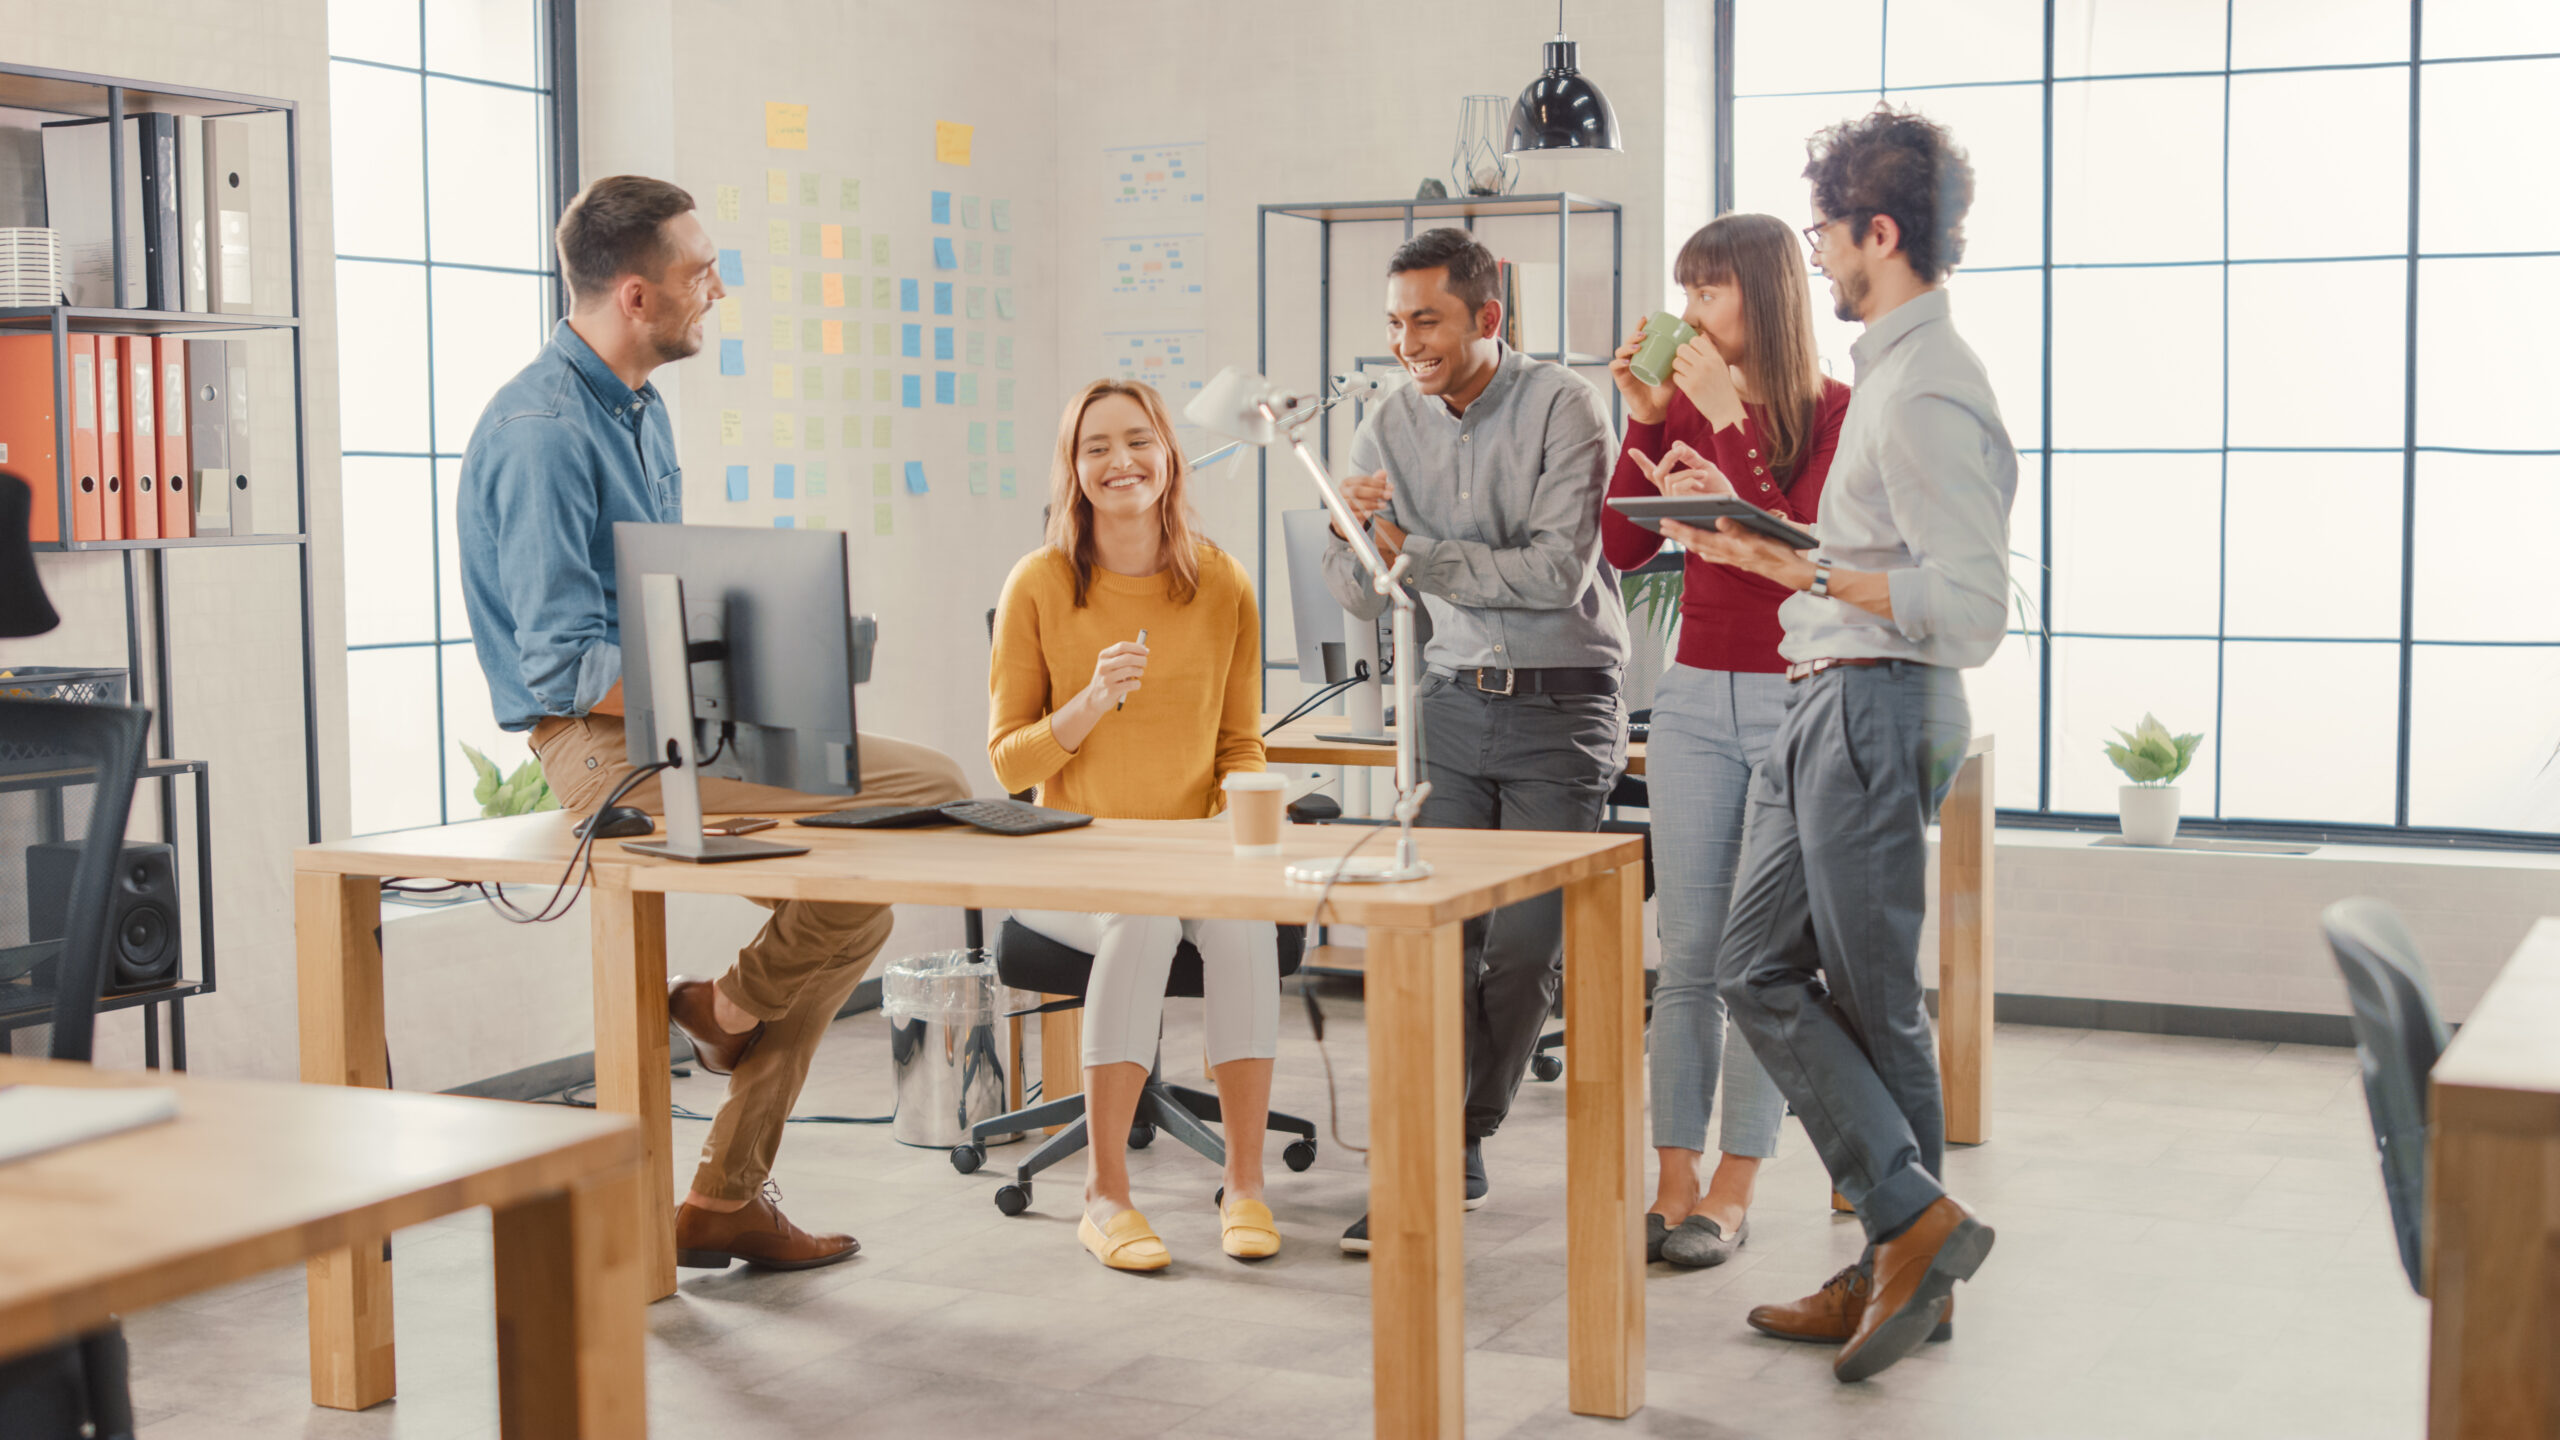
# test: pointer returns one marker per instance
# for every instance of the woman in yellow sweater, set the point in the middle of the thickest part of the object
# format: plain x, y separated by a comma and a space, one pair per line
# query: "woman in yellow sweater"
1080, 710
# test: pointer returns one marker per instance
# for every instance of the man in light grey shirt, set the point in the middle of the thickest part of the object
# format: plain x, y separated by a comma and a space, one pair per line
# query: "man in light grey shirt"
1821, 961
1486, 474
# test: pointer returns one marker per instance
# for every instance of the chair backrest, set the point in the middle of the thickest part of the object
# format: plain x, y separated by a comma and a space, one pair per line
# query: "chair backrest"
110, 740
2399, 1035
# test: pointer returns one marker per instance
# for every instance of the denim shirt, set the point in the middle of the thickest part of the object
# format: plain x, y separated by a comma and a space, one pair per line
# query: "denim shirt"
564, 451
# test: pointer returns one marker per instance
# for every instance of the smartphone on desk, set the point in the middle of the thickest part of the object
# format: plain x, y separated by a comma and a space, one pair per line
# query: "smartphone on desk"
738, 825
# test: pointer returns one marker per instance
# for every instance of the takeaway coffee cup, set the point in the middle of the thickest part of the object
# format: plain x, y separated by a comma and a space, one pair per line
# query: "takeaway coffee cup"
1664, 334
1253, 811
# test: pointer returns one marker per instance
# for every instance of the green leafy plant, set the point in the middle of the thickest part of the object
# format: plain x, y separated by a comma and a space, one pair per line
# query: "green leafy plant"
2150, 755
519, 794
1654, 598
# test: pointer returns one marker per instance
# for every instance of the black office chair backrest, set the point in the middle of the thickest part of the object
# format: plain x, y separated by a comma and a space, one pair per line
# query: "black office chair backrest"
2399, 1035
1029, 960
108, 740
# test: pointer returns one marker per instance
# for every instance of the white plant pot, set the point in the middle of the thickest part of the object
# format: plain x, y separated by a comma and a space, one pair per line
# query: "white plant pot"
2150, 813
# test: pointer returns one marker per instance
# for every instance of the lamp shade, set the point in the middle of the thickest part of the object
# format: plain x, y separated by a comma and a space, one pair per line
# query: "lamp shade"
24, 610
1561, 110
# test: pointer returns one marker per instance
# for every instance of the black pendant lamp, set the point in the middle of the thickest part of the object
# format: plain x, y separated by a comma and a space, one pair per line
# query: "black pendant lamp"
1561, 110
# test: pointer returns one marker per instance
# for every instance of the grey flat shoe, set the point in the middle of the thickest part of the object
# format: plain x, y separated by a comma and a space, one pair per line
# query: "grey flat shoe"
1698, 1243
1656, 1230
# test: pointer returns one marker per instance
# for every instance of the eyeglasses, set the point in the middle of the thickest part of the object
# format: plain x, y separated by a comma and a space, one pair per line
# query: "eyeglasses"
1813, 235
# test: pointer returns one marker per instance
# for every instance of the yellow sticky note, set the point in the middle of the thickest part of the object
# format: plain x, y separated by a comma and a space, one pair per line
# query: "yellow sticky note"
880, 431
785, 430
733, 428
785, 384
786, 127
777, 237
950, 142
832, 292
728, 201
777, 187
831, 241
781, 332
781, 284
815, 427
732, 315
832, 332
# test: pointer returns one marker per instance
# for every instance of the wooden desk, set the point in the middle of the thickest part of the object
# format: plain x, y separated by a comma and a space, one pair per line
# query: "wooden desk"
1416, 1041
251, 1176
2493, 1208
1964, 907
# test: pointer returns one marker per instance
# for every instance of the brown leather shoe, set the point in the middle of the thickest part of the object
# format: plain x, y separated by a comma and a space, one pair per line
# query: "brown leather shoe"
758, 1233
716, 1050
1830, 1315
1915, 1275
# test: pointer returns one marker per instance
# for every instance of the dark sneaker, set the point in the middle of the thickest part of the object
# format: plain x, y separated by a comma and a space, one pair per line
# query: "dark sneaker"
1478, 1187
1355, 1241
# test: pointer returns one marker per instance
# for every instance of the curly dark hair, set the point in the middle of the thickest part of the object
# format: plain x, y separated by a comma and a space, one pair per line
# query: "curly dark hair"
1899, 163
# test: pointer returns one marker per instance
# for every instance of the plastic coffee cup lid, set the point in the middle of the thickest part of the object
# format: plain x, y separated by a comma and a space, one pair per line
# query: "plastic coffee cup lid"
1255, 780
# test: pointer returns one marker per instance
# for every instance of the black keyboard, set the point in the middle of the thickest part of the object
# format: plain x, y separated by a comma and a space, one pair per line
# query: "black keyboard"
1000, 817
879, 817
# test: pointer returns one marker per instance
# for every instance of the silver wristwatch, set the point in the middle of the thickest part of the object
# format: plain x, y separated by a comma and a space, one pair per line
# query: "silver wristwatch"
1822, 577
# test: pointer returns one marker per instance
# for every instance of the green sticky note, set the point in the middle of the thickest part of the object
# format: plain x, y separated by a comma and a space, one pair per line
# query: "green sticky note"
1004, 393
968, 387
880, 431
813, 289
882, 339
815, 426
1000, 214
972, 254
977, 305
1004, 352
783, 330
1004, 302
881, 485
977, 477
813, 338
881, 519
884, 296
884, 387
977, 349
1004, 437
1004, 260
849, 197
808, 189
813, 476
978, 437
809, 237
968, 212
880, 250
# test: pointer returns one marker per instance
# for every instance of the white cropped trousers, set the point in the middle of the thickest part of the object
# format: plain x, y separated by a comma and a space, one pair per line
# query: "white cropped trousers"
1133, 955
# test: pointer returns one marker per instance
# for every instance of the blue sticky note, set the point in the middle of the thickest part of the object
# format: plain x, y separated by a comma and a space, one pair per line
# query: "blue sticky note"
911, 341
737, 482
945, 386
941, 297
912, 392
915, 477
733, 270
941, 342
941, 207
784, 522
733, 357
944, 257
907, 295
785, 482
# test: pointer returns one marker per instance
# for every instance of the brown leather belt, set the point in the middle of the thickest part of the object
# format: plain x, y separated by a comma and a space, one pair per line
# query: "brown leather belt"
1804, 670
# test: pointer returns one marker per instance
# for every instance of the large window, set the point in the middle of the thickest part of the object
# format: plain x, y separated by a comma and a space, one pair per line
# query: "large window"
2289, 457
443, 147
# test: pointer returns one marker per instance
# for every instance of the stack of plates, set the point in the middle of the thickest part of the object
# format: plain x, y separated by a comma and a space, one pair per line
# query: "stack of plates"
30, 267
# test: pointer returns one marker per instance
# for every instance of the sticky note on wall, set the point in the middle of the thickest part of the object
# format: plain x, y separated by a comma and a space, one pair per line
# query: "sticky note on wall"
907, 292
733, 268
941, 342
941, 297
941, 207
951, 142
831, 241
786, 126
911, 391
737, 484
1000, 214
783, 488
968, 212
944, 257
911, 341
977, 477
733, 357
946, 387
915, 477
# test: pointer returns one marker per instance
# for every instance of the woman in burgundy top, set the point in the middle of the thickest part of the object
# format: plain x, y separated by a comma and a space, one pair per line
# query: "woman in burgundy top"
1748, 397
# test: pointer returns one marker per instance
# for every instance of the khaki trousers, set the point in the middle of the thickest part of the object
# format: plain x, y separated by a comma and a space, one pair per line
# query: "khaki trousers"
799, 970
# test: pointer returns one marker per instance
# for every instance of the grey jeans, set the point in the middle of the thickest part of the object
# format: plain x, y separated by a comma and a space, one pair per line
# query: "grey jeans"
1710, 727
1525, 762
1821, 963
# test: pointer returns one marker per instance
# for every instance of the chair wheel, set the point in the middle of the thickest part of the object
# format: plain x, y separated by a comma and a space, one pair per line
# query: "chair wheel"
1142, 1135
967, 1158
1014, 1199
1545, 1067
1299, 1155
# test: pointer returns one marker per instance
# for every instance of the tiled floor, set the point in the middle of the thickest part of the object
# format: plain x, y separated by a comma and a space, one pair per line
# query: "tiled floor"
2192, 1243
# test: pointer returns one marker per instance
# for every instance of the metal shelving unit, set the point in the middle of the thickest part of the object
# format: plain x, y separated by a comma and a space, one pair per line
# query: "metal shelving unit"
1563, 206
145, 562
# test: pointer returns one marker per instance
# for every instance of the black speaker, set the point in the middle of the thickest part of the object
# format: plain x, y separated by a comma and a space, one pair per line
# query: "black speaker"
142, 910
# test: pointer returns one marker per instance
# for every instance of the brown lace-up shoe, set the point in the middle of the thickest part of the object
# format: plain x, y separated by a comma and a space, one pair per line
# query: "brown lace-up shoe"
716, 1050
1915, 1275
757, 1233
1830, 1315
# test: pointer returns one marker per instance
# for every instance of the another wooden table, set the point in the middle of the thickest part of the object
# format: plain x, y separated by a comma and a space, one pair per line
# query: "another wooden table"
2493, 1208
1964, 906
252, 1176
1416, 1040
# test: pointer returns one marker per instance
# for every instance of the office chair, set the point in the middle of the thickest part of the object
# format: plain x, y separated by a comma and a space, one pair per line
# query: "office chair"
1629, 794
1029, 960
2399, 1036
78, 1389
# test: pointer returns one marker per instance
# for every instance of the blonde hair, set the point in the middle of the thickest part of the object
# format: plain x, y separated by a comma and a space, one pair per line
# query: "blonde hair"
1071, 514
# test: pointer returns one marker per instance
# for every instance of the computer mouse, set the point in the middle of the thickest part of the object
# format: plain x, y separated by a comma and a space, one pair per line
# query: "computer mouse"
619, 823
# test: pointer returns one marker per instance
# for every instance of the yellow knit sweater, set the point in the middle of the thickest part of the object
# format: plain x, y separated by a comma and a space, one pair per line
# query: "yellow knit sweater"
1195, 718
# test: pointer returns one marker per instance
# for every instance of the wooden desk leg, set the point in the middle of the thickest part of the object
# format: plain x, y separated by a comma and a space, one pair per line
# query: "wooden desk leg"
572, 1341
1604, 1156
1964, 952
1061, 1055
2492, 1264
632, 1062
335, 918
1417, 1184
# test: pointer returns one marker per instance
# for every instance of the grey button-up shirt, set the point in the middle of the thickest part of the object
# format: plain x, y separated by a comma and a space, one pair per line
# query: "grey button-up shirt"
1501, 509
1920, 490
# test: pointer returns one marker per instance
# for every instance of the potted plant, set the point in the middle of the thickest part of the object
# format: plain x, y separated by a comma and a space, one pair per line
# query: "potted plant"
2152, 759
519, 794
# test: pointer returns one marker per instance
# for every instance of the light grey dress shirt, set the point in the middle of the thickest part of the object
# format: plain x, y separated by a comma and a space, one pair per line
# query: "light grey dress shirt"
1501, 509
1919, 490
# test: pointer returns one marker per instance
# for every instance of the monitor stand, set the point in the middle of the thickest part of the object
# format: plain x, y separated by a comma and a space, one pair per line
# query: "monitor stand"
671, 719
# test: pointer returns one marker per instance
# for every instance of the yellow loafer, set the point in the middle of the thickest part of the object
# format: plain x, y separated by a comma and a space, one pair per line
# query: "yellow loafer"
1246, 1231
1126, 1242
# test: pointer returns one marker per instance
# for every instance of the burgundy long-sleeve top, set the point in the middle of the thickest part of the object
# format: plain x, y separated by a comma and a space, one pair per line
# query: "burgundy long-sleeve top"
1728, 617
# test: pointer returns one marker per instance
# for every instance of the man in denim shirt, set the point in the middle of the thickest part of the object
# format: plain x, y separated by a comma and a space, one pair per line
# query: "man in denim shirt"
578, 441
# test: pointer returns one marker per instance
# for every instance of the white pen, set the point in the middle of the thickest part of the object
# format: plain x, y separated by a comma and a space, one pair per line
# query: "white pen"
1124, 700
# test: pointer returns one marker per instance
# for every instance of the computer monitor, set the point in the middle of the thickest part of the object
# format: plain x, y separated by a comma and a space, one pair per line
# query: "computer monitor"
770, 648
1321, 625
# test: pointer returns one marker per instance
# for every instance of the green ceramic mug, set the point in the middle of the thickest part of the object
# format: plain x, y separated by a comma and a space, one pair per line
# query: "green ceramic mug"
1664, 334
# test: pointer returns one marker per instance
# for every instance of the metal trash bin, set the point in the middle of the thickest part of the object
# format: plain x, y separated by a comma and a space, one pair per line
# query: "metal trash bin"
948, 1064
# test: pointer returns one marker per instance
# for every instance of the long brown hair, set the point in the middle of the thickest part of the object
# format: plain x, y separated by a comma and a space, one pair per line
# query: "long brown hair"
1071, 514
1764, 257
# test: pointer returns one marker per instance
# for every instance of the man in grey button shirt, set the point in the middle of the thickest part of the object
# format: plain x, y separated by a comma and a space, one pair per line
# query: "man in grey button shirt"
1821, 959
1486, 474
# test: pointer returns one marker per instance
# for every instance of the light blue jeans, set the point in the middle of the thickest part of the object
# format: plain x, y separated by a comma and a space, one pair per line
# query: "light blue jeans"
1710, 729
